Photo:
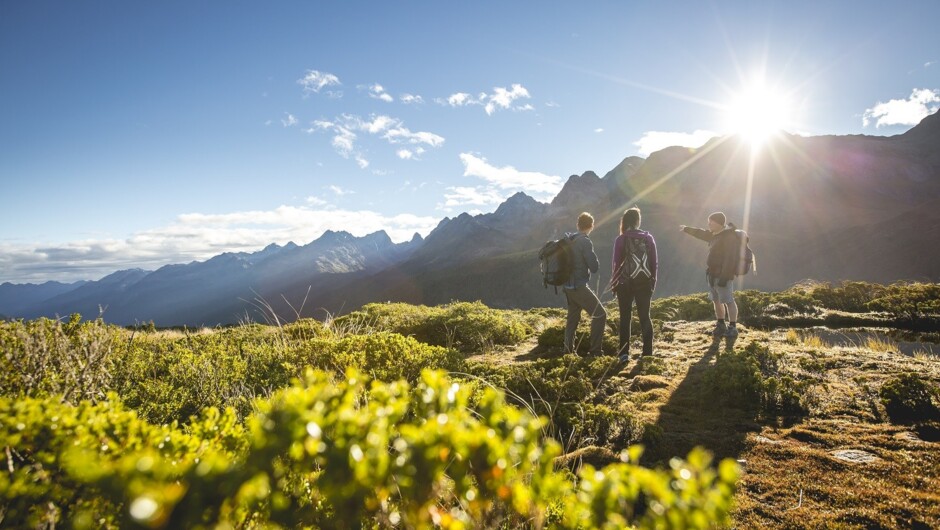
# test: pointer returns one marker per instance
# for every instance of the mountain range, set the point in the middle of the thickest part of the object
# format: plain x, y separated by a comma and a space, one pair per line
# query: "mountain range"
826, 208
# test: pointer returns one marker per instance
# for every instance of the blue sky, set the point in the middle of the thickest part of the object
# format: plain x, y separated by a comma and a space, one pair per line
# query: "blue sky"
139, 134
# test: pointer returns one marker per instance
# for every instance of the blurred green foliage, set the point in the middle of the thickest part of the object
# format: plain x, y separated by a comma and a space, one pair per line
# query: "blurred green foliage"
327, 453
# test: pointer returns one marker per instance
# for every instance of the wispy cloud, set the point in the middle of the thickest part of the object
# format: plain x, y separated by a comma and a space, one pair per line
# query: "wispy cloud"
921, 103
339, 191
500, 98
377, 91
314, 81
392, 130
401, 134
499, 183
479, 196
652, 141
411, 99
197, 236
599, 130
288, 120
510, 178
412, 153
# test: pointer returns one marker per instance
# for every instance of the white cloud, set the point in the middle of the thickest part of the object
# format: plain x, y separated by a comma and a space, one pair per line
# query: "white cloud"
552, 104
377, 91
344, 141
390, 129
289, 120
503, 98
313, 200
652, 141
928, 64
339, 191
409, 99
377, 125
510, 178
403, 135
479, 196
460, 99
315, 80
197, 236
405, 154
599, 130
921, 103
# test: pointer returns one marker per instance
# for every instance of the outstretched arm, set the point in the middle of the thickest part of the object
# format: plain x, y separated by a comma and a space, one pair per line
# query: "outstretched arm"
697, 233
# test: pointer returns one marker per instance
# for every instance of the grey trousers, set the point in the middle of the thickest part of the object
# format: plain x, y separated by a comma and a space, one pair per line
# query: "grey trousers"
583, 299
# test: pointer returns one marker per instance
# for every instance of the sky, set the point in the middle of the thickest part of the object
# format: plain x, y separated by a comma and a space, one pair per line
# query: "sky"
139, 134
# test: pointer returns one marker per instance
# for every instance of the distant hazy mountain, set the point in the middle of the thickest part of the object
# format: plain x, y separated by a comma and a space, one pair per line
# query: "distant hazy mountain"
826, 208
15, 298
227, 288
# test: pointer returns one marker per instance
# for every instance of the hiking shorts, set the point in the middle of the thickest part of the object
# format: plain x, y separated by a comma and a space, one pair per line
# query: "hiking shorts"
724, 295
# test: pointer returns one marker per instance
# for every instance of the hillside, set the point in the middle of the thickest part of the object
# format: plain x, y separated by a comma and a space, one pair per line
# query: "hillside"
824, 428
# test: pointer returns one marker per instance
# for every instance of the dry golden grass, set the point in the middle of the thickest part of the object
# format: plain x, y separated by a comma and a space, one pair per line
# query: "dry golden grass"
791, 477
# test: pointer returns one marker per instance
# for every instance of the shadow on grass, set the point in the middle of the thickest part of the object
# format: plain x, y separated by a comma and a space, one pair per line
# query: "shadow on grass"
693, 417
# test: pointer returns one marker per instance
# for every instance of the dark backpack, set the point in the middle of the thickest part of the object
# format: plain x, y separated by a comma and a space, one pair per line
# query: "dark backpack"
556, 262
635, 264
746, 260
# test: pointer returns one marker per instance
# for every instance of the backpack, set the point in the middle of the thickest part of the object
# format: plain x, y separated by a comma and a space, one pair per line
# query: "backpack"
746, 260
635, 261
556, 262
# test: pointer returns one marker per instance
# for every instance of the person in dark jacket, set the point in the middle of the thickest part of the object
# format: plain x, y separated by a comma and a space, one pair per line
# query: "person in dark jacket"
721, 268
579, 296
634, 269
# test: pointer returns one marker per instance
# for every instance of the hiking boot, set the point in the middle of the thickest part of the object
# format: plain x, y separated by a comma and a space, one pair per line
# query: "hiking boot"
720, 330
732, 333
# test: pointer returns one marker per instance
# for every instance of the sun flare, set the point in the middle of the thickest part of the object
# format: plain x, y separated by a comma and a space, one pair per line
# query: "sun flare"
758, 112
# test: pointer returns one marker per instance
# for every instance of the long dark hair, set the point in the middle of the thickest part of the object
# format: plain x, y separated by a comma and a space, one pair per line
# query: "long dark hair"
630, 219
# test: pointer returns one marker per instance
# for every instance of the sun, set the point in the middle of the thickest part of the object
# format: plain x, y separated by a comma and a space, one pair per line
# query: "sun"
758, 112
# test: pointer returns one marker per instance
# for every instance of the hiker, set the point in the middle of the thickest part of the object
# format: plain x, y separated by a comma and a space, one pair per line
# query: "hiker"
721, 269
634, 279
578, 294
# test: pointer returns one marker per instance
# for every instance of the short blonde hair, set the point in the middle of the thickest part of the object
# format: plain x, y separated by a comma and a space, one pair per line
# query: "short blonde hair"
585, 221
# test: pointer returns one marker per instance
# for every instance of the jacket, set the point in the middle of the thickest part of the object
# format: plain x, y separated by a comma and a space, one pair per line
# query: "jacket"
584, 260
723, 249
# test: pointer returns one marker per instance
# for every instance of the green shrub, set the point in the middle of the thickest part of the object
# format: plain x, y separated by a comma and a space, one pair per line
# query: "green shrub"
74, 359
908, 398
564, 390
554, 338
692, 307
384, 356
306, 329
464, 325
334, 454
753, 379
911, 300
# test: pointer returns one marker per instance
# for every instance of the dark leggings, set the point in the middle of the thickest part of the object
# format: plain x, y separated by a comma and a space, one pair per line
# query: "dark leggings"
641, 292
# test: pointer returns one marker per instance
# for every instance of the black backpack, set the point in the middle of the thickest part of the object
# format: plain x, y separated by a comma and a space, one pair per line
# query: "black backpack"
635, 264
556, 260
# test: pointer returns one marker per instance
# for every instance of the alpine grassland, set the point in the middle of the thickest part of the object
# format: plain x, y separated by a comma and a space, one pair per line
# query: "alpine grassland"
825, 413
